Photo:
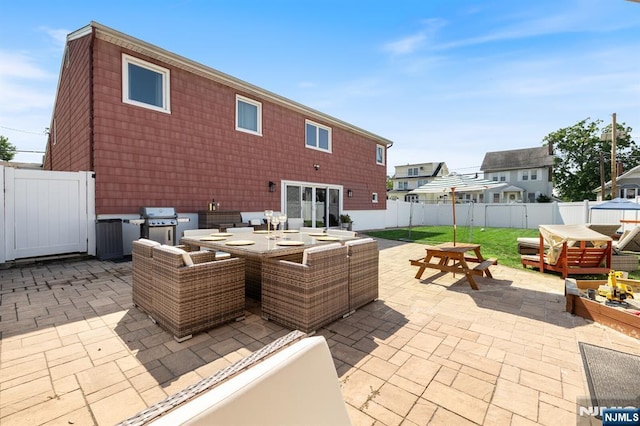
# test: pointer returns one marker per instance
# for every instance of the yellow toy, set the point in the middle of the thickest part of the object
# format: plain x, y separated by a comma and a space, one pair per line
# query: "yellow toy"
615, 291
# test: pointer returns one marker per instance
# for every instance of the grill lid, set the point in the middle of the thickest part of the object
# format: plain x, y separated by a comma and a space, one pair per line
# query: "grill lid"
158, 213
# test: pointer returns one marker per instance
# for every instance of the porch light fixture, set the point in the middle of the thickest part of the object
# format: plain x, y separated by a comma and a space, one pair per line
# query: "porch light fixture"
349, 193
316, 166
272, 187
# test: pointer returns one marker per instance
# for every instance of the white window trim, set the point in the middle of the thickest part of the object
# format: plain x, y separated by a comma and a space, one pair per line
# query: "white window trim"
256, 104
382, 147
166, 83
374, 197
538, 173
318, 125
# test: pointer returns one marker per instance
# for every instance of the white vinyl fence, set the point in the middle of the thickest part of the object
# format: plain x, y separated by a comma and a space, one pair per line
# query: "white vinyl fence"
46, 213
517, 215
51, 213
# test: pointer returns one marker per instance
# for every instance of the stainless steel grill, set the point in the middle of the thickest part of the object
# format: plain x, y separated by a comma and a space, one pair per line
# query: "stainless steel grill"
159, 224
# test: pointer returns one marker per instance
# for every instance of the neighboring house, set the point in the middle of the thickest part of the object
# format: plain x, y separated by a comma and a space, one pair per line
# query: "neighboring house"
411, 176
627, 185
528, 173
159, 129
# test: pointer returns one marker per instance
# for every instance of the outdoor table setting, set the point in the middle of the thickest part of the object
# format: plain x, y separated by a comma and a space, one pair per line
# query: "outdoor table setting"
259, 245
454, 258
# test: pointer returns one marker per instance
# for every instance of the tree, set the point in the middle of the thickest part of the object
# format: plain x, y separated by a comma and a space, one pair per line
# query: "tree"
7, 151
576, 169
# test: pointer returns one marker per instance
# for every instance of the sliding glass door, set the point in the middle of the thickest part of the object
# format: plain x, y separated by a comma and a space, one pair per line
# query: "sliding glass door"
317, 205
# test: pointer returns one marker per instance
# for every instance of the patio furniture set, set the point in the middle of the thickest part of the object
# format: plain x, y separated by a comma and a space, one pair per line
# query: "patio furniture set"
303, 280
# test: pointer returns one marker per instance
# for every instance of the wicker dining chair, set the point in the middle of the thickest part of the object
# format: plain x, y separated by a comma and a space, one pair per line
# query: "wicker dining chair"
363, 272
307, 295
142, 262
194, 292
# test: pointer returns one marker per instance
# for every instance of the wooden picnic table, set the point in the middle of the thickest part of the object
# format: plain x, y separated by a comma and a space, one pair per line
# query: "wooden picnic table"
455, 258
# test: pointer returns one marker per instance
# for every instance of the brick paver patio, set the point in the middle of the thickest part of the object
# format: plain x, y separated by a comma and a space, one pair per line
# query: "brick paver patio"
74, 350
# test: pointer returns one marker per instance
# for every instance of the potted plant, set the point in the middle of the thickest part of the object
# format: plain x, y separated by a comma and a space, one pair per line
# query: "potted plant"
345, 221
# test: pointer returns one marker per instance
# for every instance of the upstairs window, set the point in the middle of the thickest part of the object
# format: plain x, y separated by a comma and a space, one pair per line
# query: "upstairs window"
525, 175
317, 136
413, 171
248, 115
145, 84
380, 154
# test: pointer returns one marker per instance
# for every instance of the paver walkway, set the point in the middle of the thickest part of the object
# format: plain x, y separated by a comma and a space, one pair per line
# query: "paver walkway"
74, 350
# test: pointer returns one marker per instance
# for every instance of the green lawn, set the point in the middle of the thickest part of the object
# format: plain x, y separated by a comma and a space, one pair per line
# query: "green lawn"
500, 243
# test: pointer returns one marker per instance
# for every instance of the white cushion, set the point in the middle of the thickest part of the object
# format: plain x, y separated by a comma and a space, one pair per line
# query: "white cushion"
185, 255
255, 222
148, 243
298, 385
318, 249
358, 242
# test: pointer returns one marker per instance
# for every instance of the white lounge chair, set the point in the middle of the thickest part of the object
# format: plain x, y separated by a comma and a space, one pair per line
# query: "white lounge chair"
629, 241
291, 381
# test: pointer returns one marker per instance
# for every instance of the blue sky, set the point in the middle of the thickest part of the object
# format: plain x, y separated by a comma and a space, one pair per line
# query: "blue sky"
445, 80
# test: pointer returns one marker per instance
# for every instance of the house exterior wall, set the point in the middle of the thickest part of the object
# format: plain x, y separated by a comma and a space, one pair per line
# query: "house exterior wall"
186, 158
68, 147
541, 185
425, 174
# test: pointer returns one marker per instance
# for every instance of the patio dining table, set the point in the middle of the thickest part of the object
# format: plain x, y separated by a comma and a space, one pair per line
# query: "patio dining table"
257, 246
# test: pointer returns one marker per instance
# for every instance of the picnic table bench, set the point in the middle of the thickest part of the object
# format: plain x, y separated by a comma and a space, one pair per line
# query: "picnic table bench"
453, 258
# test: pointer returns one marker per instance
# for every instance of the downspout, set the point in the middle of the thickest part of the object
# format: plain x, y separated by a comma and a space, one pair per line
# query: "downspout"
91, 100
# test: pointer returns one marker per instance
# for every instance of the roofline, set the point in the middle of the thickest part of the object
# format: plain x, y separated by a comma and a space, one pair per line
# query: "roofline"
131, 43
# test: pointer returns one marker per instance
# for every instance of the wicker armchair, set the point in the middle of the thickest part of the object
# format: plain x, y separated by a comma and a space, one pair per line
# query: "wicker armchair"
142, 263
307, 295
191, 298
363, 272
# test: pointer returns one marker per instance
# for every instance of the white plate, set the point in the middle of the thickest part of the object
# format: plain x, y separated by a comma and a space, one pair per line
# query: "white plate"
290, 243
240, 243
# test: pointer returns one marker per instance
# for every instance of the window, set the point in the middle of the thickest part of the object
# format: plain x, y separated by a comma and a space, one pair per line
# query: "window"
496, 197
317, 136
380, 155
145, 84
374, 197
413, 171
534, 175
248, 115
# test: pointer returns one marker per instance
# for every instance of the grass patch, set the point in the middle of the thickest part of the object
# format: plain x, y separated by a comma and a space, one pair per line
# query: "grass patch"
501, 243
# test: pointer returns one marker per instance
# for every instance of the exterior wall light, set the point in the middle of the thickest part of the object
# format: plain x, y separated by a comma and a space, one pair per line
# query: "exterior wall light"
349, 193
316, 166
272, 187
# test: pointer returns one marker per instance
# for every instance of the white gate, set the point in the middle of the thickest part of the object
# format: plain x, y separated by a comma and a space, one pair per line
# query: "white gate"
46, 213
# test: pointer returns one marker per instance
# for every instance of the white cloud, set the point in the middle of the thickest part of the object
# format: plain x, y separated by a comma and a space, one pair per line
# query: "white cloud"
406, 45
20, 66
412, 43
58, 36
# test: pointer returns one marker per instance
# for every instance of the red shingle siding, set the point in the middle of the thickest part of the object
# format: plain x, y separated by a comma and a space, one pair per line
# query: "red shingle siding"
183, 159
71, 126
